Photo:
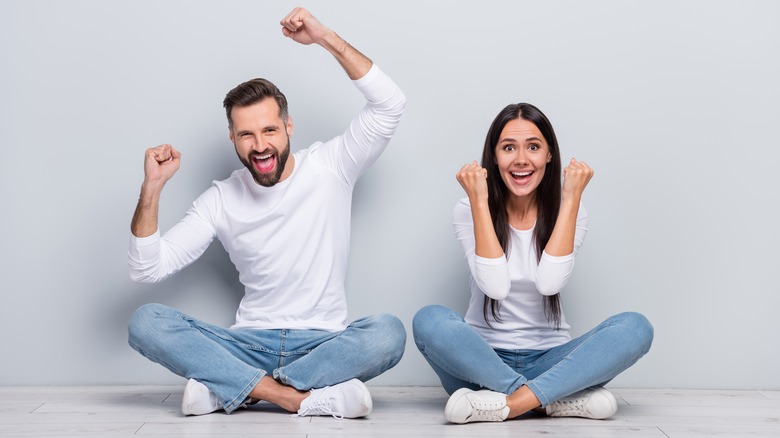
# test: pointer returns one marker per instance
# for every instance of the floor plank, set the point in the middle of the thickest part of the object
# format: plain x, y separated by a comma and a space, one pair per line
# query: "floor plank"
398, 411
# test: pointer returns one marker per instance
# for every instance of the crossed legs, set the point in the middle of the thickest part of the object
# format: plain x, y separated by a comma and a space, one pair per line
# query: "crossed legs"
463, 359
279, 366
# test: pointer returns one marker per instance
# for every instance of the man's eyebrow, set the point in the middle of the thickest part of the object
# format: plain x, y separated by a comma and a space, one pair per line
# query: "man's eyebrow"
265, 128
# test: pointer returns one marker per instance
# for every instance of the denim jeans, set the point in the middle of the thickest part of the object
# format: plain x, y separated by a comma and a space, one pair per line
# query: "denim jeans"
463, 359
230, 362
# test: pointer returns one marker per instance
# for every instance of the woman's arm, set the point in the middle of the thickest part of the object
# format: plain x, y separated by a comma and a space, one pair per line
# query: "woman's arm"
557, 261
473, 178
484, 254
575, 178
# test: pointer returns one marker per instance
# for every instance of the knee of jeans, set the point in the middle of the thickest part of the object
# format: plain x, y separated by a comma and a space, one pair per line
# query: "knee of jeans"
425, 322
641, 329
142, 326
393, 335
393, 328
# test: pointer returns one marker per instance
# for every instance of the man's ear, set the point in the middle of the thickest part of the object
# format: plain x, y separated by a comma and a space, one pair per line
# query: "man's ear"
289, 126
230, 134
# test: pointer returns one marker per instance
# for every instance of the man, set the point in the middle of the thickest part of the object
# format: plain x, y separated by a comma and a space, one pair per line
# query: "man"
285, 221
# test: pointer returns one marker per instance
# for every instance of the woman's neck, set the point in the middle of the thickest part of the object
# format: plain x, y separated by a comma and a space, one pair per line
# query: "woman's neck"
521, 211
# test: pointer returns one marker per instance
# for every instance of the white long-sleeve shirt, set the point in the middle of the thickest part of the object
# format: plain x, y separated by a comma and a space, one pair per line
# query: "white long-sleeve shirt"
519, 282
289, 242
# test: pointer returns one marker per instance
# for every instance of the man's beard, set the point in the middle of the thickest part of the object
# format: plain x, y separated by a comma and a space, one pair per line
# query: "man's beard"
268, 179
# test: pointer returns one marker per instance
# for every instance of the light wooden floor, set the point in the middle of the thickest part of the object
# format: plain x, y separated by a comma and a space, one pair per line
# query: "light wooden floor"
398, 412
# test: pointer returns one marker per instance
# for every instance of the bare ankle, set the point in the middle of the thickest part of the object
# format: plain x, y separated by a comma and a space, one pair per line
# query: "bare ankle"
286, 397
522, 401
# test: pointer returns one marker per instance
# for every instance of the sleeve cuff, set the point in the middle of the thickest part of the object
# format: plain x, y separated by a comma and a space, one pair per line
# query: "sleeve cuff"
489, 261
367, 78
145, 241
557, 259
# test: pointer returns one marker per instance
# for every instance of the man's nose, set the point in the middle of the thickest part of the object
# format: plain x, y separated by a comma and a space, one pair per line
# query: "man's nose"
259, 146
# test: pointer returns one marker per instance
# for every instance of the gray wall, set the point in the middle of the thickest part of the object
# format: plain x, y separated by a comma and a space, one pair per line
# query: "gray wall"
674, 104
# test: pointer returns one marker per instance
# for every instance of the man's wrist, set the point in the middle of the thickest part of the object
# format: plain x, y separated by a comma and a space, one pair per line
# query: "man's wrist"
333, 43
152, 187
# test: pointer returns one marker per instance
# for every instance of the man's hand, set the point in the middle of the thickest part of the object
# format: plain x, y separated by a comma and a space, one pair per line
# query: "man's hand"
301, 26
160, 163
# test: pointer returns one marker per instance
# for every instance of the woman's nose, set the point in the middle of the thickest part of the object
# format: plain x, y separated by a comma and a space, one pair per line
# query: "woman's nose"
520, 157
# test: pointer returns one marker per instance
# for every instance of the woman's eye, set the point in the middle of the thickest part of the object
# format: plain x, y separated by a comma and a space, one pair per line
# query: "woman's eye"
533, 147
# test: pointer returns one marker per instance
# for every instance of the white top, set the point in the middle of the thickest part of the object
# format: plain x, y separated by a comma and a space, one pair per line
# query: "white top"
288, 242
519, 282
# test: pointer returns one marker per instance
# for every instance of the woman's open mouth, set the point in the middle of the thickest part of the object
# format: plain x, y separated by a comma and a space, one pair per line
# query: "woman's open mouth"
521, 178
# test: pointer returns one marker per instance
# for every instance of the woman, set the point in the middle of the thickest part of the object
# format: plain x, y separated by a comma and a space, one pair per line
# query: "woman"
520, 229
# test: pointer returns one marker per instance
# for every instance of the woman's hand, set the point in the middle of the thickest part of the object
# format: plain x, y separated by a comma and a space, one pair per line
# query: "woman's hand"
473, 178
575, 178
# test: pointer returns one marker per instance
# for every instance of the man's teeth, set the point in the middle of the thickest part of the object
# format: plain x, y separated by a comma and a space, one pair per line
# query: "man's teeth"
263, 157
521, 173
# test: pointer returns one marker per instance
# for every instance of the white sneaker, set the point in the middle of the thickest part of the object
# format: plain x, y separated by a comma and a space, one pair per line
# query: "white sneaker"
466, 406
198, 399
596, 403
349, 399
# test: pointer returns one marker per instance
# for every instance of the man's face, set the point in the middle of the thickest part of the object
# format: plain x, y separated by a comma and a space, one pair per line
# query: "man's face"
262, 141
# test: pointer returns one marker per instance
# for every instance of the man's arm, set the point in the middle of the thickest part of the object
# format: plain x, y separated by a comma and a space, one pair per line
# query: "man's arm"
154, 258
301, 26
160, 163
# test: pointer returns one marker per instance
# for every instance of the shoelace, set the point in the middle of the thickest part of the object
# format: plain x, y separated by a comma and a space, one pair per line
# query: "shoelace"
486, 411
572, 407
319, 408
487, 415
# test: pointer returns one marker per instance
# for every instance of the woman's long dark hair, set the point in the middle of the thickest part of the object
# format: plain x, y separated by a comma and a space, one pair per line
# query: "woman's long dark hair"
548, 196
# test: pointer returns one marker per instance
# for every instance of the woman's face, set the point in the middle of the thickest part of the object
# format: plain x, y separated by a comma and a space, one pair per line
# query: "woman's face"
522, 155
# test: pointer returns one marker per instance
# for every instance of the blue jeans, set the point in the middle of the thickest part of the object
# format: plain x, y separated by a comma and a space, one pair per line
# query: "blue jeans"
463, 359
230, 362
